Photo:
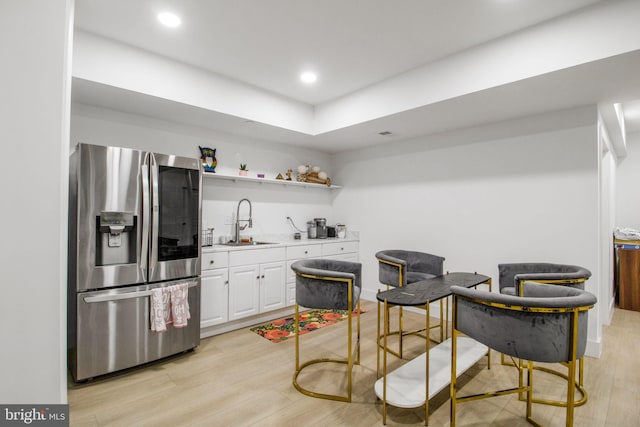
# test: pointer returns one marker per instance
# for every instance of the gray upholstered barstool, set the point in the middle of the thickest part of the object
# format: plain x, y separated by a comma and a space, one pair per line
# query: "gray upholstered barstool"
511, 278
545, 324
397, 268
335, 285
513, 274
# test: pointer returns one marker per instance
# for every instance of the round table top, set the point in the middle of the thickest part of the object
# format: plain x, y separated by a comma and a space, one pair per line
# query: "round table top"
430, 290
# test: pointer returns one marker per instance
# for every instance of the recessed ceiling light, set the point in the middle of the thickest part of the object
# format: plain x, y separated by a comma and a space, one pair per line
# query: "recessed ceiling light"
308, 77
169, 19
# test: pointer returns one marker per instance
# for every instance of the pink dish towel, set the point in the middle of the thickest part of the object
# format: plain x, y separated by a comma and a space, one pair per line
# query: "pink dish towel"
180, 304
160, 309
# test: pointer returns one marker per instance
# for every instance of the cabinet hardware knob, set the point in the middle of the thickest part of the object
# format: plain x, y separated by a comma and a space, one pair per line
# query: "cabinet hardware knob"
306, 252
263, 276
257, 277
226, 282
211, 262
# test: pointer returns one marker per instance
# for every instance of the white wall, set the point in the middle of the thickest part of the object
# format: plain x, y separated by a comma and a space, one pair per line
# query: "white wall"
607, 188
627, 179
35, 74
602, 31
115, 64
271, 203
522, 190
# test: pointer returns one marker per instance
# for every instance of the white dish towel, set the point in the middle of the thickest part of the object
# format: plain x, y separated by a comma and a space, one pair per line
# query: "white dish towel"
180, 305
160, 309
169, 305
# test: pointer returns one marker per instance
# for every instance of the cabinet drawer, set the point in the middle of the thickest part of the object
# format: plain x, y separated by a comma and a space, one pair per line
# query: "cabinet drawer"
304, 251
337, 248
215, 260
256, 256
351, 257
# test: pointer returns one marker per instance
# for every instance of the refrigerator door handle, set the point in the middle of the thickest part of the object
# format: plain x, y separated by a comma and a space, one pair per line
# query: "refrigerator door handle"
124, 295
144, 251
117, 297
155, 206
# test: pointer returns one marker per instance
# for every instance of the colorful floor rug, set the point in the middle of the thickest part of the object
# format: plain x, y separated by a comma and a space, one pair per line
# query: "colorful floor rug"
282, 329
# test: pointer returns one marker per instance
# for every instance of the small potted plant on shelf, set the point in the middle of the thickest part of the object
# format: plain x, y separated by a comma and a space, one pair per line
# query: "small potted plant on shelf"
243, 169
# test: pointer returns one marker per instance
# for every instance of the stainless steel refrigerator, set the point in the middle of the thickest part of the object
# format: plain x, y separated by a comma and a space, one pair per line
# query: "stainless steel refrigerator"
134, 225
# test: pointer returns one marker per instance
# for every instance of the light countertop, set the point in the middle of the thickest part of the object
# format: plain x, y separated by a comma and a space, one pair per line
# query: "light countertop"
277, 242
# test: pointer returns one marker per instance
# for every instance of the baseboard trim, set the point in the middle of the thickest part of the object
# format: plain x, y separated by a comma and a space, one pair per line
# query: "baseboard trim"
211, 331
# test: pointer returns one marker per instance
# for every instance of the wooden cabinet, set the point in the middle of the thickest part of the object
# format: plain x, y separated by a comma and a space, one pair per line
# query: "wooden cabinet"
256, 281
272, 286
244, 291
240, 283
629, 279
214, 297
256, 288
214, 289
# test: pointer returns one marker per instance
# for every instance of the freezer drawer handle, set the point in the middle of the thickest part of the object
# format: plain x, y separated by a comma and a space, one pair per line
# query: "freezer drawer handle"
126, 295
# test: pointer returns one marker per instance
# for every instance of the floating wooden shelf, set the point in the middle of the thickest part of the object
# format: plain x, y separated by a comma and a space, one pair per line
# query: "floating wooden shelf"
267, 181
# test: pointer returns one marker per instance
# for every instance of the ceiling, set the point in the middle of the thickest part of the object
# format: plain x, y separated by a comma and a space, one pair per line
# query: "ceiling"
350, 44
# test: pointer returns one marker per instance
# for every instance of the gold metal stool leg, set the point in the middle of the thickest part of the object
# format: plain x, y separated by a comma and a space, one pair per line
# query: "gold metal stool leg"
579, 385
401, 333
353, 358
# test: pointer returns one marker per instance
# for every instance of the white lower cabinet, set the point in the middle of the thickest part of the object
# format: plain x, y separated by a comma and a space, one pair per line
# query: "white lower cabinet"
214, 289
214, 297
244, 291
256, 288
273, 294
242, 283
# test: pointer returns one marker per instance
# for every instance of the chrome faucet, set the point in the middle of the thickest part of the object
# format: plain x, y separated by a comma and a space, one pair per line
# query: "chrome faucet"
248, 221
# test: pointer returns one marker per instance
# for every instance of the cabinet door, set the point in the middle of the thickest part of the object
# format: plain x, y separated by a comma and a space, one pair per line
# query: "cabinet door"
214, 297
291, 283
291, 293
272, 286
244, 291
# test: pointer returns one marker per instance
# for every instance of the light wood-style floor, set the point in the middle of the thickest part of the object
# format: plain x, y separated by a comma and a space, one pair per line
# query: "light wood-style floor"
242, 379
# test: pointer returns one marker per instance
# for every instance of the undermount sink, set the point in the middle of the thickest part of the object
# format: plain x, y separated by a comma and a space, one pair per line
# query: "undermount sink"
252, 243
